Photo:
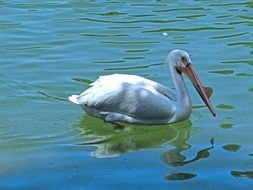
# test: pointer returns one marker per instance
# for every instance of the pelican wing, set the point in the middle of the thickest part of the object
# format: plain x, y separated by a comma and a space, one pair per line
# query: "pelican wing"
135, 80
129, 94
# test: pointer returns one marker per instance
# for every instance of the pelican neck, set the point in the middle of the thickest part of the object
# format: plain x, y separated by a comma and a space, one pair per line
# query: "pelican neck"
183, 100
179, 83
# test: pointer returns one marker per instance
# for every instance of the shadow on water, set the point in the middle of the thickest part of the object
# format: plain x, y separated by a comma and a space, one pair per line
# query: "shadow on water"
110, 142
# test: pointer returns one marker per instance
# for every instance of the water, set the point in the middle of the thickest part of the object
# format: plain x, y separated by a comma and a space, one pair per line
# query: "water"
51, 49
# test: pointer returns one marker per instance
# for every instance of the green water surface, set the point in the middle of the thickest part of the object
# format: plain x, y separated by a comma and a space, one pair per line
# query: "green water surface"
52, 49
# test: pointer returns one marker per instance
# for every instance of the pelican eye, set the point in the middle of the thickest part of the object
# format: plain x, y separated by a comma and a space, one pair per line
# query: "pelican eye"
185, 61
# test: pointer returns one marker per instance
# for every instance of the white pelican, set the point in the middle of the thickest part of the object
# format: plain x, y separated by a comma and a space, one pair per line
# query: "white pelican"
134, 99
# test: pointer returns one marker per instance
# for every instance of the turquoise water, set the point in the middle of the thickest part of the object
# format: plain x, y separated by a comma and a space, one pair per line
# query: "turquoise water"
51, 49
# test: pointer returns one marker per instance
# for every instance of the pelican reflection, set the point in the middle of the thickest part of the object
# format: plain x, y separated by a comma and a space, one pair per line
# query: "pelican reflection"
174, 157
110, 142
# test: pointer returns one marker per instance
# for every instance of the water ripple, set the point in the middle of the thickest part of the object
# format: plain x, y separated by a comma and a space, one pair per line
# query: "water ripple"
133, 68
44, 94
137, 50
132, 21
229, 35
249, 62
227, 4
182, 9
207, 28
192, 16
83, 80
147, 5
129, 42
223, 72
112, 13
104, 35
225, 107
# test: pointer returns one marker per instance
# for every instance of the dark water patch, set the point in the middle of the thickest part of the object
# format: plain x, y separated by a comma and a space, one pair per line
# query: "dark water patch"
110, 61
229, 36
247, 17
179, 37
104, 35
232, 147
249, 4
247, 44
180, 176
223, 16
112, 13
82, 80
225, 107
160, 21
226, 125
232, 10
137, 50
124, 27
212, 141
142, 15
192, 16
133, 58
248, 174
182, 9
116, 2
243, 75
249, 62
238, 23
223, 72
226, 4
180, 43
95, 20
129, 42
198, 106
250, 89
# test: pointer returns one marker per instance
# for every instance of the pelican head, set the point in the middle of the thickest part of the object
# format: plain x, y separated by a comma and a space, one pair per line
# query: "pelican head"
180, 61
179, 58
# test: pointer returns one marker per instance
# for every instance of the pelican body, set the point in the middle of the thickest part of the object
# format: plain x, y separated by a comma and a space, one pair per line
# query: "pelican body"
134, 99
